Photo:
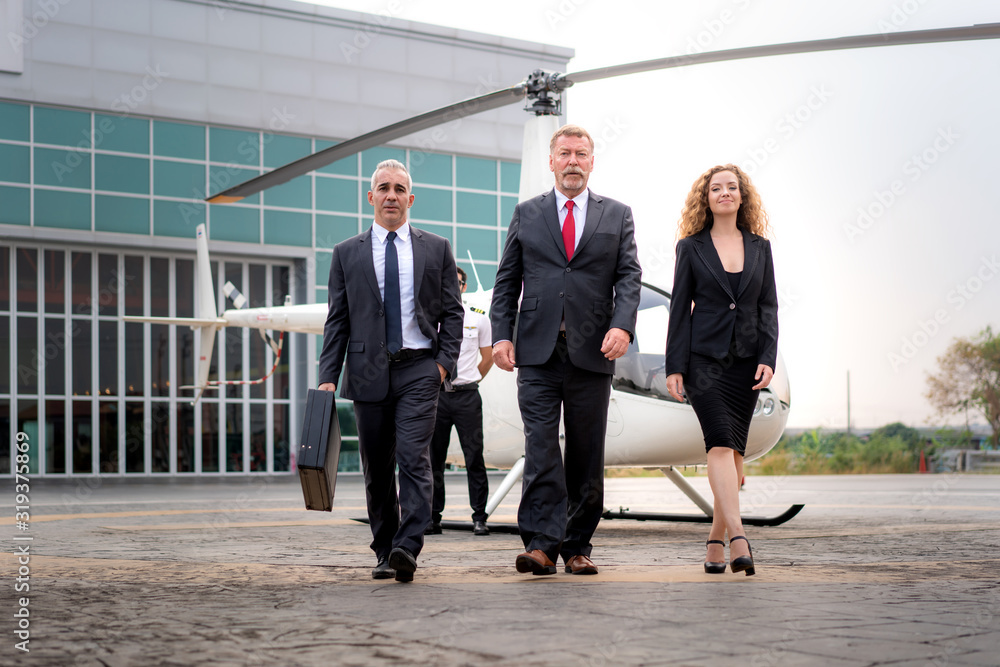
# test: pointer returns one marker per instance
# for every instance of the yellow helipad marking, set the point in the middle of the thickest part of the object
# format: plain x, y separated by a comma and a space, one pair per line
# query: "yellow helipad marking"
38, 518
248, 574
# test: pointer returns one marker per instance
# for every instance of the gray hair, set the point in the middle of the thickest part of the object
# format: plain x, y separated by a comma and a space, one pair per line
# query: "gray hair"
394, 165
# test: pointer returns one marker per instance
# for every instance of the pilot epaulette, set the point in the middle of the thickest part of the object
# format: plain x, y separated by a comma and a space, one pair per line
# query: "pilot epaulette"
477, 310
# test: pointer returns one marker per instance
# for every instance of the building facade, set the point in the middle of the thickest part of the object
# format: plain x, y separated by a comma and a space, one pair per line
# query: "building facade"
118, 118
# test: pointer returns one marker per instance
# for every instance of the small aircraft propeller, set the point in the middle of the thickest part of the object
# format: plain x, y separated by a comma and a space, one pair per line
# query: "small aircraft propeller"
543, 91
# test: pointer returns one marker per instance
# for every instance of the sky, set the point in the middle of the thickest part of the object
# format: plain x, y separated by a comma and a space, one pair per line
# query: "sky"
877, 168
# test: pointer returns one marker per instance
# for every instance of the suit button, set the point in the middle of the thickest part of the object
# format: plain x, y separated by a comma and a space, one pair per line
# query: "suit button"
381, 344
568, 269
560, 295
380, 313
732, 306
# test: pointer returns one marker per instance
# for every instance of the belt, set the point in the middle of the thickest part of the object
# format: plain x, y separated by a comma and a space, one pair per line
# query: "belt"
472, 386
406, 354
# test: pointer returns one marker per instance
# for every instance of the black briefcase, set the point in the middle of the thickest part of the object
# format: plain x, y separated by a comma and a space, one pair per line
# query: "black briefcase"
319, 450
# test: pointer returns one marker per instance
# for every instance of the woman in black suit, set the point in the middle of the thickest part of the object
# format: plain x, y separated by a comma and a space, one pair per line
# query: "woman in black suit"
722, 340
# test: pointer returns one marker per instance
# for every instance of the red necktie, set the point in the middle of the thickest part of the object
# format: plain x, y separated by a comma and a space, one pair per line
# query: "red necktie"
569, 230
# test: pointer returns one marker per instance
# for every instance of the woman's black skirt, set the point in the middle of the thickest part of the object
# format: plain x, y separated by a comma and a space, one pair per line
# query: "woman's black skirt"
720, 392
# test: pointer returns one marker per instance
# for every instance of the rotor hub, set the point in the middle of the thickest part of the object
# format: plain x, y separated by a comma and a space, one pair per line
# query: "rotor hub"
544, 93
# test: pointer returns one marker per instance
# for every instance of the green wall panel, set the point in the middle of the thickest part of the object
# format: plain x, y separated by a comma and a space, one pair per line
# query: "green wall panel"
371, 157
128, 215
223, 178
431, 204
15, 121
178, 179
345, 167
15, 163
430, 168
121, 174
482, 243
332, 229
127, 135
68, 169
475, 173
323, 261
510, 177
447, 231
62, 127
476, 209
287, 228
15, 206
507, 205
69, 210
177, 218
336, 194
279, 149
235, 223
178, 140
296, 193
233, 146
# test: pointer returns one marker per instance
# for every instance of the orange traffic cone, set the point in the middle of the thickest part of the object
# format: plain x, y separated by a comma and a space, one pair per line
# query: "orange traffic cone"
923, 462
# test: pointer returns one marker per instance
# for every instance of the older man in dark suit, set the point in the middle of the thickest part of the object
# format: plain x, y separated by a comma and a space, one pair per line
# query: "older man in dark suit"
574, 252
396, 313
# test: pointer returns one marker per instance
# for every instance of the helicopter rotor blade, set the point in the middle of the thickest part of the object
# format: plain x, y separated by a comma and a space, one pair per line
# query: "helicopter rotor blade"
981, 31
459, 110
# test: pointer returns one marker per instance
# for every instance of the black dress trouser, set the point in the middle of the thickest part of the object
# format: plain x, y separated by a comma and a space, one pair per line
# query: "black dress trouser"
464, 411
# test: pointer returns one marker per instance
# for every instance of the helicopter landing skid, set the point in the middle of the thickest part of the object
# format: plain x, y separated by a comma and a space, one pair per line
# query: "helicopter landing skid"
624, 513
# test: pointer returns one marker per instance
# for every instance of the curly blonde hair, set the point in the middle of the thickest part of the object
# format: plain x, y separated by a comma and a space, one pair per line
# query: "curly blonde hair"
697, 215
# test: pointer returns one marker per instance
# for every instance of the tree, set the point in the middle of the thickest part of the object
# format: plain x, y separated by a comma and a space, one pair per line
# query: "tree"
969, 379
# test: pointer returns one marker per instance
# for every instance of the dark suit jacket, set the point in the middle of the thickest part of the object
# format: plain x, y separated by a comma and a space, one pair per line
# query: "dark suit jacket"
355, 323
752, 313
596, 290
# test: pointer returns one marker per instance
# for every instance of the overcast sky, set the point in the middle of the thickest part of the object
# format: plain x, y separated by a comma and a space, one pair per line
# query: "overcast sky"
877, 166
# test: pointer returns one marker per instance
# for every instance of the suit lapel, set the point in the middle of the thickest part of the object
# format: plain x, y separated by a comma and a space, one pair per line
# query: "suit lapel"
595, 208
751, 254
419, 255
551, 217
706, 250
367, 263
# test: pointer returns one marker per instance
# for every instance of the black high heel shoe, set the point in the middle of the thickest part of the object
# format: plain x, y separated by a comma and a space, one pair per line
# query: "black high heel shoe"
743, 563
712, 567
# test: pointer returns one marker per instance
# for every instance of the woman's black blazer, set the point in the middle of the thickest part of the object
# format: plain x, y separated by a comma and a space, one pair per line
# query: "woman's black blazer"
751, 313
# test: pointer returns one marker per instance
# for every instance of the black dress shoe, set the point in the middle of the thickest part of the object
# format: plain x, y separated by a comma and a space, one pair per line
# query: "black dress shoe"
383, 570
479, 528
743, 563
715, 567
403, 561
433, 528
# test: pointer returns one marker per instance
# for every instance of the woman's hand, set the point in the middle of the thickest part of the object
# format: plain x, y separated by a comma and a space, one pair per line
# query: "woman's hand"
764, 375
675, 386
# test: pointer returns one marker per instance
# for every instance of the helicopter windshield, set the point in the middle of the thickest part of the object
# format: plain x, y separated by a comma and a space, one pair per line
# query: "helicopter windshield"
642, 370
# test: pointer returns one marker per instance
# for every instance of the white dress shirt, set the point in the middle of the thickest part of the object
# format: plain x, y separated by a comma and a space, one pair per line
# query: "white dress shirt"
579, 212
413, 338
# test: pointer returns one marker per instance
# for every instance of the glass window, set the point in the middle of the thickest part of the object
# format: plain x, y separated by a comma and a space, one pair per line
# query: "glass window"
282, 447
280, 286
371, 157
80, 269
55, 436
62, 127
185, 437
80, 332
233, 337
185, 360
4, 363
476, 209
15, 205
234, 437
27, 355
510, 177
134, 281
15, 163
184, 294
55, 356
258, 437
159, 287
296, 193
209, 436
67, 210
82, 437
431, 204
27, 280
107, 356
257, 296
223, 178
126, 215
431, 168
336, 194
174, 218
159, 359
122, 174
135, 359
159, 414
345, 167
447, 231
62, 168
108, 284
178, 140
481, 242
108, 427
4, 280
287, 228
332, 229
235, 223
642, 371
178, 179
471, 172
27, 421
5, 468
507, 205
127, 135
135, 437
323, 260
54, 280
279, 149
234, 146
15, 123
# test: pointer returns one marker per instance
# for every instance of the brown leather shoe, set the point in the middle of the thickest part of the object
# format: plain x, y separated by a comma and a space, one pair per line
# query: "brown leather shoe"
535, 562
580, 564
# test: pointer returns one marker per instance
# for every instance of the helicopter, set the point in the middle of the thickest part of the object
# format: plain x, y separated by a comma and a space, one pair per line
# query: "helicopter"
646, 428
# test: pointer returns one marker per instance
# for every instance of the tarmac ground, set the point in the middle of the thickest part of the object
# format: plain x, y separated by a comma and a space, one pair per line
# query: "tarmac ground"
876, 570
